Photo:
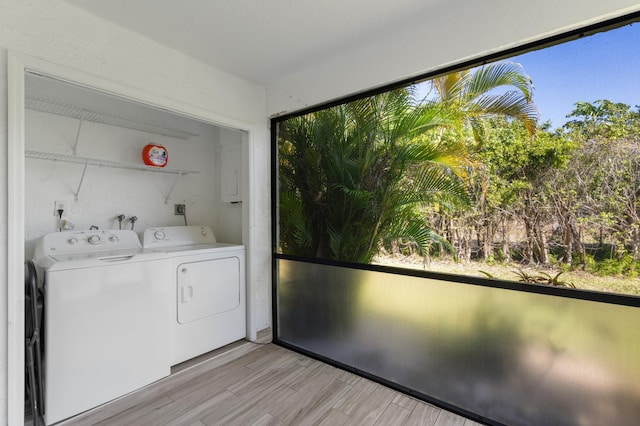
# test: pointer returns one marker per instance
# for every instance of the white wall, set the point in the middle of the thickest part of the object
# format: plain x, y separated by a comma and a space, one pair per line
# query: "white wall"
58, 33
228, 218
3, 235
456, 31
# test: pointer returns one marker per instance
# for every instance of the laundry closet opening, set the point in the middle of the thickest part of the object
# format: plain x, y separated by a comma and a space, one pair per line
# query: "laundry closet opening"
68, 126
134, 219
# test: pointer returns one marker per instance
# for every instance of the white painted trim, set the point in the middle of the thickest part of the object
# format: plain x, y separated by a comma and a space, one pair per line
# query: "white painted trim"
15, 241
98, 84
18, 64
248, 238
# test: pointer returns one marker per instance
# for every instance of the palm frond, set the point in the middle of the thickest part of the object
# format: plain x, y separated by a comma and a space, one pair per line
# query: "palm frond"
418, 233
433, 184
492, 76
510, 104
294, 220
450, 86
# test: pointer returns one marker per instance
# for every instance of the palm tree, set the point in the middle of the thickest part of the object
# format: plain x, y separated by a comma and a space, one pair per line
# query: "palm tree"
350, 176
472, 96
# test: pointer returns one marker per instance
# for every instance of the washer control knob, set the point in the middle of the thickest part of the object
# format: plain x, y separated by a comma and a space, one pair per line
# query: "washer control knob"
72, 240
159, 235
94, 239
203, 233
183, 270
113, 238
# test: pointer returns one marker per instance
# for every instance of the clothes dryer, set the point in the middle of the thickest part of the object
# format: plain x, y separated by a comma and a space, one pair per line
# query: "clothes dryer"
208, 295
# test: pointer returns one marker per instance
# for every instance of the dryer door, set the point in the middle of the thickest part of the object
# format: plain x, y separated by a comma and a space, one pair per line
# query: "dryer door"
207, 288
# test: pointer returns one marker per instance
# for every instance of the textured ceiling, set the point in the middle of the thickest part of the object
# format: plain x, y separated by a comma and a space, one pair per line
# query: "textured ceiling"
263, 41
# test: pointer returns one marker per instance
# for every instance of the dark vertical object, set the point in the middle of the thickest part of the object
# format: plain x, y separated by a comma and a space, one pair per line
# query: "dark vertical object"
274, 227
33, 347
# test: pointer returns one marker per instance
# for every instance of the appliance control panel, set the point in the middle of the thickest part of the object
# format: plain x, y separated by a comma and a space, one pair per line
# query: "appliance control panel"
87, 241
167, 236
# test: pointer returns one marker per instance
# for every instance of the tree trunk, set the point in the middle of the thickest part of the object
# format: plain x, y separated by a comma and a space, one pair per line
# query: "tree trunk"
568, 244
452, 235
529, 248
455, 242
601, 238
543, 247
577, 235
465, 246
506, 252
488, 241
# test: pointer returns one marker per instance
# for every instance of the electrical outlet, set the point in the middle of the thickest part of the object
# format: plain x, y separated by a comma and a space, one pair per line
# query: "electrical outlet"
179, 209
59, 205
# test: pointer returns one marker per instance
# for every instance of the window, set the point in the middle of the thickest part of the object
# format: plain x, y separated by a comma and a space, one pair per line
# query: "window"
525, 169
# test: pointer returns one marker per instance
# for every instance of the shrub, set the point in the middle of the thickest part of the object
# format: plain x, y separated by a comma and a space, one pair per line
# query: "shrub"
625, 266
590, 263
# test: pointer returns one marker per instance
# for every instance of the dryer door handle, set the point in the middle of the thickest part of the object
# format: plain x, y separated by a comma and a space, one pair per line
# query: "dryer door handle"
186, 293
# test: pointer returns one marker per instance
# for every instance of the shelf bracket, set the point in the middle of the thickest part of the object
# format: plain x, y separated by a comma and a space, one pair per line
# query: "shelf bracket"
75, 145
86, 163
166, 199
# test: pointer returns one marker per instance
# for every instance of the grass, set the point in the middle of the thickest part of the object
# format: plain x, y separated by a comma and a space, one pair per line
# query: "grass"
509, 272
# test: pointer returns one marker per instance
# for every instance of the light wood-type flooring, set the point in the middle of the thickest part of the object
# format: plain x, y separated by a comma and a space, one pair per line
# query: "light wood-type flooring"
250, 384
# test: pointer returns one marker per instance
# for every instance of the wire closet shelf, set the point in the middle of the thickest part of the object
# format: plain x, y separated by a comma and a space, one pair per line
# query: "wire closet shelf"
88, 115
67, 110
75, 159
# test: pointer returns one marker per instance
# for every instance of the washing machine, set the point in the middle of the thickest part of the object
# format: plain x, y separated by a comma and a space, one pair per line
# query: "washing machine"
106, 318
208, 295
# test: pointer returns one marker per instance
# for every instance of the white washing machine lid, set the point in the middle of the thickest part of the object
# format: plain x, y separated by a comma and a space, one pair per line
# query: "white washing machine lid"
63, 262
100, 255
84, 249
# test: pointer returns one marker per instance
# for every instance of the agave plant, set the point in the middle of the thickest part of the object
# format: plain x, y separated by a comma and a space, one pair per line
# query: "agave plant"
543, 278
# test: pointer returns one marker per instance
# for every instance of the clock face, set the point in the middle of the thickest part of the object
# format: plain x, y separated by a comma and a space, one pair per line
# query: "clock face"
155, 155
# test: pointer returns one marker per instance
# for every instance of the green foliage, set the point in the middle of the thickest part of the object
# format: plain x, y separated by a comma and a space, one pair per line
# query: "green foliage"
350, 176
603, 119
590, 263
487, 274
625, 266
536, 278
605, 172
475, 97
543, 278
512, 154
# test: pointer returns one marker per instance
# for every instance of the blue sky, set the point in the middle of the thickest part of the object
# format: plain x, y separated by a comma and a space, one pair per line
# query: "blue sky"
603, 66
